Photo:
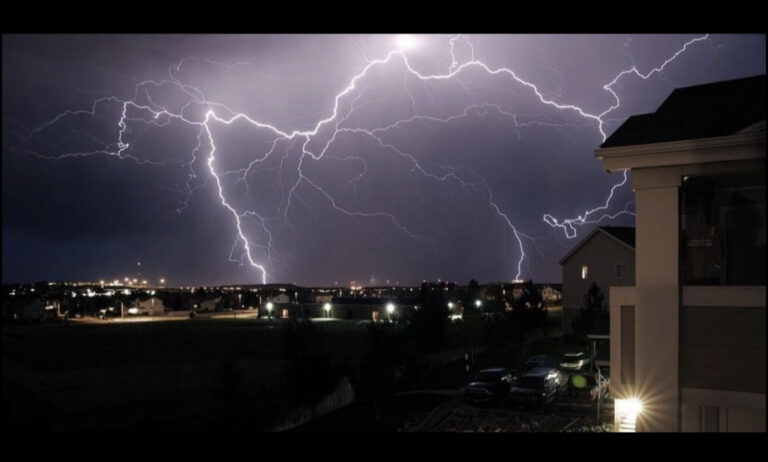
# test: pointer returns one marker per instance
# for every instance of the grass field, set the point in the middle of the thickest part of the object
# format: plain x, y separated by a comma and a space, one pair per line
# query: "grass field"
76, 346
82, 375
161, 375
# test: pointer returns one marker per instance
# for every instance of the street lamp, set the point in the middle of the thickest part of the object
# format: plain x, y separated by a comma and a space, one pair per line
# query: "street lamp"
478, 303
240, 301
327, 308
390, 310
450, 305
269, 308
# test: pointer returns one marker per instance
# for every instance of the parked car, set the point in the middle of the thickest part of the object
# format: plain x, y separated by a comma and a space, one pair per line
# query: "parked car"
541, 361
574, 361
537, 387
489, 387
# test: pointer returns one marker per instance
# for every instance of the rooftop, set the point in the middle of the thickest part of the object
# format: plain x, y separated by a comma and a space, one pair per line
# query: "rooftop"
702, 111
625, 234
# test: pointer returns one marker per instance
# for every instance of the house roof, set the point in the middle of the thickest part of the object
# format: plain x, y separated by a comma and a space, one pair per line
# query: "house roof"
624, 235
702, 111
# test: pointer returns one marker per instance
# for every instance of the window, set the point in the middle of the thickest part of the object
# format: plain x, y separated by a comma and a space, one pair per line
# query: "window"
584, 272
722, 229
619, 270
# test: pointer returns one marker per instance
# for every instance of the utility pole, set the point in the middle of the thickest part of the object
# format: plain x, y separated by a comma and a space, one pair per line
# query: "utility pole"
599, 377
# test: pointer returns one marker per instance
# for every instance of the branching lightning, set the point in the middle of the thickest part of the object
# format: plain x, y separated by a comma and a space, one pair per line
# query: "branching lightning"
205, 115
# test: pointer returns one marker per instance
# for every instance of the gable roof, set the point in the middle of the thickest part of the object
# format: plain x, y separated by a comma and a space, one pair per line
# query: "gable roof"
624, 235
701, 111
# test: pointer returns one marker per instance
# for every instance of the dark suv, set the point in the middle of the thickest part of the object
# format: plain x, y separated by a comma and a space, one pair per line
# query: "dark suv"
489, 387
541, 361
537, 387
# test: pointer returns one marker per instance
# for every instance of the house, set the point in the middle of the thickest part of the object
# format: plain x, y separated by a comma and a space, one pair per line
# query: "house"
550, 294
29, 310
281, 299
152, 306
208, 305
688, 338
605, 257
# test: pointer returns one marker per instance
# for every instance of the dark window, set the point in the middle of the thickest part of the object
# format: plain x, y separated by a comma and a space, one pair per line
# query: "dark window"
722, 229
619, 270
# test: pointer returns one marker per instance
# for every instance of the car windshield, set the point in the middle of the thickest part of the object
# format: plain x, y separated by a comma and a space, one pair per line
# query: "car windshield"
488, 377
541, 361
530, 382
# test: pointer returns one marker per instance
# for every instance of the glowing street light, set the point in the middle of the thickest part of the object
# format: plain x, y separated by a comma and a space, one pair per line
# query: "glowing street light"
327, 308
390, 310
162, 280
269, 307
478, 303
450, 305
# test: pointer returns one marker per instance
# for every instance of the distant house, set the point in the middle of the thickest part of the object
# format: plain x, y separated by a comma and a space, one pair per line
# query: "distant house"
208, 305
28, 310
550, 294
688, 337
605, 257
152, 306
324, 298
281, 298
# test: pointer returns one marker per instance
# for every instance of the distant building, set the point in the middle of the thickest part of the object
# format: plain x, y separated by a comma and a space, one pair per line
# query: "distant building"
28, 310
208, 305
281, 298
688, 338
152, 306
550, 294
324, 298
605, 257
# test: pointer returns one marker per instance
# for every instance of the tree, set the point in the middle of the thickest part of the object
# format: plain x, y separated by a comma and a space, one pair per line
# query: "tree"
475, 329
230, 379
385, 358
592, 313
428, 323
528, 311
311, 376
311, 372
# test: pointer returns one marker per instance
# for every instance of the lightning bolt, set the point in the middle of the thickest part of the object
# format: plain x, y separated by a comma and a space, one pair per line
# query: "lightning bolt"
205, 114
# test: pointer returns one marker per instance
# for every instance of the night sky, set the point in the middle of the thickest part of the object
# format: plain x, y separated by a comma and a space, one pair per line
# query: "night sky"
474, 163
